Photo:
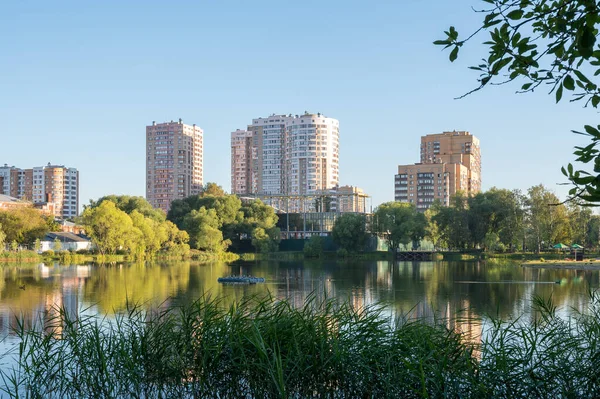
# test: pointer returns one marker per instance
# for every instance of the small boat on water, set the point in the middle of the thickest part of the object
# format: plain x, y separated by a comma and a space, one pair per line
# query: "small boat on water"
241, 279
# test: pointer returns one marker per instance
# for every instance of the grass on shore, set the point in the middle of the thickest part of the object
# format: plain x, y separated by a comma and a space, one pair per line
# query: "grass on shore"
265, 348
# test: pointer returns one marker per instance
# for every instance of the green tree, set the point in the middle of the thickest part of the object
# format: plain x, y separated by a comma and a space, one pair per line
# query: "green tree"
252, 215
2, 239
14, 245
433, 231
550, 43
213, 189
593, 232
454, 223
57, 246
23, 225
265, 240
313, 248
109, 227
128, 204
203, 228
349, 232
579, 219
37, 246
399, 223
547, 223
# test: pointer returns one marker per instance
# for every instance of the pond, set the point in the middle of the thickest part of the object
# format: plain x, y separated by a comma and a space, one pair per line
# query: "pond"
422, 289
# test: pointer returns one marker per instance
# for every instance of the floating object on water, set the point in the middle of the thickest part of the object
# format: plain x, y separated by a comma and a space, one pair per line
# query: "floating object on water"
241, 279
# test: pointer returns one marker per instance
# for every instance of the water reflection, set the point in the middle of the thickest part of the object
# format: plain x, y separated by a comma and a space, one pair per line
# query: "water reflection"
415, 289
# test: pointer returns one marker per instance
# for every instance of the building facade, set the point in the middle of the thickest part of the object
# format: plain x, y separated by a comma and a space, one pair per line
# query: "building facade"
450, 162
241, 161
174, 162
286, 155
54, 188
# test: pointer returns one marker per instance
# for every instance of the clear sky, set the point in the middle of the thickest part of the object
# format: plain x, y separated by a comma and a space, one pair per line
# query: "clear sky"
80, 80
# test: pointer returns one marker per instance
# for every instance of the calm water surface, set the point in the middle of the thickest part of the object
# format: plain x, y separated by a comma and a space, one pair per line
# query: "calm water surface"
421, 288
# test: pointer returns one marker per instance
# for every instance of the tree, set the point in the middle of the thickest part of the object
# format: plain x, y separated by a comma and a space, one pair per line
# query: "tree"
432, 228
37, 246
14, 245
128, 204
313, 248
213, 189
544, 42
399, 223
579, 218
2, 239
323, 203
266, 240
593, 232
547, 224
23, 225
203, 228
109, 227
349, 232
454, 223
57, 246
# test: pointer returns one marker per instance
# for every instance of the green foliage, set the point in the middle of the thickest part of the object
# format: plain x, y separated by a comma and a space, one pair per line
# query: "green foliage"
399, 223
550, 43
14, 245
548, 222
2, 239
23, 225
57, 246
129, 225
215, 221
128, 204
36, 246
267, 348
349, 232
203, 228
313, 248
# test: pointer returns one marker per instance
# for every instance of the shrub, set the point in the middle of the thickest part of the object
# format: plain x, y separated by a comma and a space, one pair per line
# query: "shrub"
542, 260
313, 248
48, 253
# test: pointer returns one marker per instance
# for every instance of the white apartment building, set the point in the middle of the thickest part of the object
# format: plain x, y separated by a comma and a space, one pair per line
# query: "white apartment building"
288, 155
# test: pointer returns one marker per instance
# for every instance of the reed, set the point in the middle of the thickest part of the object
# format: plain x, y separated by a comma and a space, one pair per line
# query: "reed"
266, 348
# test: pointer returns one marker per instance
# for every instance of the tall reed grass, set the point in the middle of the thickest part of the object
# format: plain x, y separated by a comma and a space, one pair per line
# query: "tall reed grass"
265, 348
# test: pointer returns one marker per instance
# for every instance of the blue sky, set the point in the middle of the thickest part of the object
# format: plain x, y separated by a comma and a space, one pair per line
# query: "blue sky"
79, 81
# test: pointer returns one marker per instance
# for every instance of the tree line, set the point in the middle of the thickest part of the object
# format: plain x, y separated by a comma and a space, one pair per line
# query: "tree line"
495, 220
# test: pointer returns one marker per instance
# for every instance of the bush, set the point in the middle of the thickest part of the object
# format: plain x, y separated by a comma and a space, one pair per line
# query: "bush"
542, 260
313, 248
48, 253
343, 253
83, 252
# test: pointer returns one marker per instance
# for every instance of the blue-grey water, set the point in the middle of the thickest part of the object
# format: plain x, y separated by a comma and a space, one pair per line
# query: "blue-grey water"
420, 289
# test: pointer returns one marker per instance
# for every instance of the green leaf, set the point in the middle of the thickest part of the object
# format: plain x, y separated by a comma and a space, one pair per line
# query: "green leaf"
569, 83
526, 86
515, 14
441, 42
454, 54
595, 101
587, 41
559, 93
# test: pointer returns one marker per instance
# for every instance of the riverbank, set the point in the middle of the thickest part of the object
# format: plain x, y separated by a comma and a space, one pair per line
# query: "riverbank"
269, 348
331, 255
587, 264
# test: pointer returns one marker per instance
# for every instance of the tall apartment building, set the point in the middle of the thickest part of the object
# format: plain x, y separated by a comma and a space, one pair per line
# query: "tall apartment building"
450, 162
56, 185
174, 154
286, 155
241, 161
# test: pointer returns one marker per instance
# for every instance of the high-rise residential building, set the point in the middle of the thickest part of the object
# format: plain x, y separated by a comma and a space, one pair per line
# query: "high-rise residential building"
450, 162
56, 185
241, 161
349, 199
174, 153
286, 155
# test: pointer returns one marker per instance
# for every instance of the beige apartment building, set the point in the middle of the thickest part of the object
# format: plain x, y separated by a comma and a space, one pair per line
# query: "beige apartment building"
285, 155
450, 162
54, 188
349, 199
174, 162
